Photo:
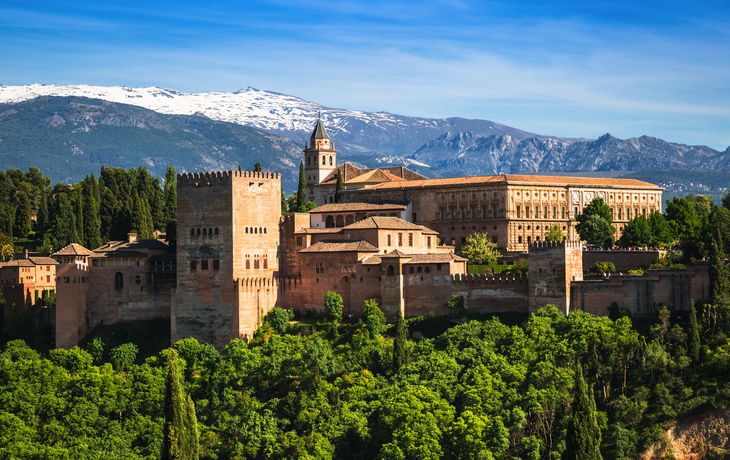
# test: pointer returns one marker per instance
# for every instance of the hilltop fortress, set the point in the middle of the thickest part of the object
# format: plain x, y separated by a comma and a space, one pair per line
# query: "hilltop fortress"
393, 238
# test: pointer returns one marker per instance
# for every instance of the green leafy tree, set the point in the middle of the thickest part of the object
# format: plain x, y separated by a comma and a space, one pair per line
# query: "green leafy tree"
637, 232
602, 267
96, 350
302, 190
583, 438
400, 344
279, 319
596, 231
180, 432
170, 201
456, 302
718, 224
6, 219
22, 222
661, 233
333, 306
479, 249
554, 233
683, 219
693, 346
374, 318
257, 167
124, 355
597, 207
339, 187
719, 276
284, 207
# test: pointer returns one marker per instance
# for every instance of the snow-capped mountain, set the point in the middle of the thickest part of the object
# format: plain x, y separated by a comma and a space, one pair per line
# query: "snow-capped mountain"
292, 117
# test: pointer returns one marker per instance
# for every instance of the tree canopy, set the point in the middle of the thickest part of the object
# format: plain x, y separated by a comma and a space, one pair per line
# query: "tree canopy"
479, 249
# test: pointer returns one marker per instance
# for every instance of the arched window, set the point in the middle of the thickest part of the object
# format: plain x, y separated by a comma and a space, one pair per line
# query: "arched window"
309, 161
420, 270
198, 232
216, 230
264, 229
410, 270
210, 231
256, 230
192, 232
266, 264
330, 222
248, 264
246, 229
118, 280
324, 161
391, 270
330, 161
204, 232
427, 270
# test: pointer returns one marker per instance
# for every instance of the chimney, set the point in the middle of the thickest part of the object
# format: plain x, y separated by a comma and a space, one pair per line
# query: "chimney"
131, 237
26, 254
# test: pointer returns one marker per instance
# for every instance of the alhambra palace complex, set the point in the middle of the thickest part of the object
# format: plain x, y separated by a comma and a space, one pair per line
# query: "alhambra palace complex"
393, 238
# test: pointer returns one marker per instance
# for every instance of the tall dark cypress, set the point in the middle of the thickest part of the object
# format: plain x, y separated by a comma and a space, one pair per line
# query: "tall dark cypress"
339, 187
79, 212
302, 190
92, 224
170, 199
694, 335
158, 215
107, 210
400, 345
42, 216
257, 167
22, 222
583, 438
180, 433
283, 202
142, 219
719, 282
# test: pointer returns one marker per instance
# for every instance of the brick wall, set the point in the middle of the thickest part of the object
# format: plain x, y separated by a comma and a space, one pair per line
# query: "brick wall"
622, 260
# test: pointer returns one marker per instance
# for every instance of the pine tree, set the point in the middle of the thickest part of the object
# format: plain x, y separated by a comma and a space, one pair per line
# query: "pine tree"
22, 222
257, 167
400, 350
92, 224
339, 187
302, 190
694, 335
42, 216
283, 203
79, 211
180, 435
170, 194
719, 281
583, 438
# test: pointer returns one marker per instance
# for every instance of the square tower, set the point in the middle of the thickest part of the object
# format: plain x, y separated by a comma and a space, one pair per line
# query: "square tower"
552, 267
227, 237
320, 158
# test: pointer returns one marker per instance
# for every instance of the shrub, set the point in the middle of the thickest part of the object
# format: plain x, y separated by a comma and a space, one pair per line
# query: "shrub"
602, 267
279, 319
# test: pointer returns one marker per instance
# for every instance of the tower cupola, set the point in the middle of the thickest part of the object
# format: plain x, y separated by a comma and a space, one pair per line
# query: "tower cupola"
320, 157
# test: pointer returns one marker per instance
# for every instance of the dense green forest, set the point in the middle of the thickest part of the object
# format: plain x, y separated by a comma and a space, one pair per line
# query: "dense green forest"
490, 388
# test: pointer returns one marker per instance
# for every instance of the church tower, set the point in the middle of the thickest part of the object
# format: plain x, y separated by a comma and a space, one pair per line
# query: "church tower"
320, 158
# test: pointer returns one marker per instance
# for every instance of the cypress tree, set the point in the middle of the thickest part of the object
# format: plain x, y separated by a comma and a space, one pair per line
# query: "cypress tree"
170, 194
180, 436
302, 190
283, 202
694, 335
583, 438
22, 222
158, 215
92, 224
257, 167
6, 220
400, 351
339, 187
141, 219
107, 209
42, 215
719, 282
79, 211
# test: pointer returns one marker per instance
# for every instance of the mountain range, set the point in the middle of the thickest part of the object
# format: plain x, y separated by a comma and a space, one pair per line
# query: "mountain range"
216, 130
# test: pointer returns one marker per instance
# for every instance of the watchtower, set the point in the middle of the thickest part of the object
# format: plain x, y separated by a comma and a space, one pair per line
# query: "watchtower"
320, 158
552, 267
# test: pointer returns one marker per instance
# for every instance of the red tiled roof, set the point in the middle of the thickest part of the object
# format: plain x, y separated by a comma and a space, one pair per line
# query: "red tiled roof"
345, 207
442, 258
510, 178
341, 246
350, 172
73, 249
314, 231
388, 223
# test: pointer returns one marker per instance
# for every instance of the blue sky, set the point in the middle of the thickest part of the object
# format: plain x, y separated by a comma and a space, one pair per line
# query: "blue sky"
574, 69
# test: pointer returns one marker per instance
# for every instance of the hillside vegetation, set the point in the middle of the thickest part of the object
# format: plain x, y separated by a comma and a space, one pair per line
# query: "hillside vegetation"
482, 390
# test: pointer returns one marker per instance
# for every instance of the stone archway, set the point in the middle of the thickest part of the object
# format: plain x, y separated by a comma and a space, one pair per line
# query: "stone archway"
339, 222
330, 222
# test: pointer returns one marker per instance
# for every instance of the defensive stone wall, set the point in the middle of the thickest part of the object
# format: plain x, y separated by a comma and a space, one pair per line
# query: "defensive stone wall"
553, 266
623, 260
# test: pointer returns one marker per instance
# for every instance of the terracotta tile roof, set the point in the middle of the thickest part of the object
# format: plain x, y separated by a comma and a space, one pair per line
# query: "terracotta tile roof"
405, 173
345, 207
510, 178
387, 223
372, 260
43, 260
73, 249
29, 262
341, 246
442, 258
376, 176
396, 253
118, 254
350, 172
314, 231
136, 244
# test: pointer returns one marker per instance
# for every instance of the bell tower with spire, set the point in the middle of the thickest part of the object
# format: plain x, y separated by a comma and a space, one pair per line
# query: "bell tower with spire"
320, 157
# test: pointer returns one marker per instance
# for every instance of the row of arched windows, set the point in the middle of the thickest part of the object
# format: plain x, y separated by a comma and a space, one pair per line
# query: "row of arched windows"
205, 231
255, 230
257, 265
324, 161
419, 269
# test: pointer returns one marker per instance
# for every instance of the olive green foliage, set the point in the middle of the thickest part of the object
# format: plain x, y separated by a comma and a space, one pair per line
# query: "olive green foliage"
554, 233
456, 302
480, 249
661, 233
333, 306
583, 438
374, 318
170, 194
594, 224
682, 216
400, 344
693, 345
601, 267
278, 318
719, 275
22, 220
257, 167
124, 355
180, 433
637, 232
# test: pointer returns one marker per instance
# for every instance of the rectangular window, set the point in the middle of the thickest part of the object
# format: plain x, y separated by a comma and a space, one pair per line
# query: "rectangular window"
443, 214
495, 211
619, 213
216, 264
555, 210
95, 262
519, 212
527, 212
453, 213
137, 279
204, 264
575, 211
414, 217
438, 267
193, 265
562, 212
484, 212
319, 267
428, 241
519, 239
299, 241
537, 212
400, 239
256, 264
410, 239
473, 212
48, 279
463, 213
389, 238
544, 212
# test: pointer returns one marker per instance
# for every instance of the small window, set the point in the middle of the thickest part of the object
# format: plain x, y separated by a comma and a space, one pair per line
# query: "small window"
428, 241
256, 264
192, 232
427, 269
216, 230
264, 229
204, 232
204, 264
519, 240
410, 270
216, 264
118, 280
137, 279
198, 232
438, 267
330, 161
210, 231
419, 270
246, 229
299, 241
400, 239
410, 239
193, 265
248, 264
388, 241
266, 264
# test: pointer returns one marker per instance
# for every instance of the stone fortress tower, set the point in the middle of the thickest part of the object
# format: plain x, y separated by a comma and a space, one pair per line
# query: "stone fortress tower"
553, 267
227, 254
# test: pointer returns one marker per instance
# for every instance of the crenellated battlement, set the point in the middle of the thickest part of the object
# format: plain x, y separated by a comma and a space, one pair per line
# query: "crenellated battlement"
221, 177
550, 245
